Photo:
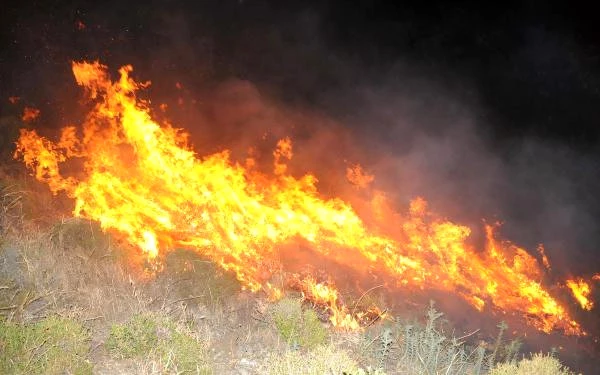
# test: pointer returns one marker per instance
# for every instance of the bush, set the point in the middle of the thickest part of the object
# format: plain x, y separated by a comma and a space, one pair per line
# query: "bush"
298, 326
161, 340
183, 353
136, 337
538, 364
54, 345
406, 348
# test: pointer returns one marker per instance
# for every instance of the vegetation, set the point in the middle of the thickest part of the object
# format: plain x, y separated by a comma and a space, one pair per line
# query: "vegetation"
51, 346
76, 300
413, 348
199, 281
136, 337
320, 360
539, 364
298, 326
159, 339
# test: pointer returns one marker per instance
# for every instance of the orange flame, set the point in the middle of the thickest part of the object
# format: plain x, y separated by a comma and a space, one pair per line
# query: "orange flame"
327, 296
581, 291
143, 180
357, 177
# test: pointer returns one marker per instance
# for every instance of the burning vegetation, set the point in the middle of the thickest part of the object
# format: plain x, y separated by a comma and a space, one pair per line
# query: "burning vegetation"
143, 181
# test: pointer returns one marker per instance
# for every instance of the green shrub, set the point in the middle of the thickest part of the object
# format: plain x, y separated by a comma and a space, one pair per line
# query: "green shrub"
136, 337
298, 326
183, 353
161, 340
54, 345
538, 364
412, 348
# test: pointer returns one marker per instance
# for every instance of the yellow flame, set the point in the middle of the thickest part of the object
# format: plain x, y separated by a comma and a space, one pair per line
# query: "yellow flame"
581, 291
143, 180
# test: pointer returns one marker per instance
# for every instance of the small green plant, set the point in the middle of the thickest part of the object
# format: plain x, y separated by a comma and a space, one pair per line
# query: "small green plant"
511, 350
298, 326
54, 345
538, 364
168, 344
184, 353
138, 336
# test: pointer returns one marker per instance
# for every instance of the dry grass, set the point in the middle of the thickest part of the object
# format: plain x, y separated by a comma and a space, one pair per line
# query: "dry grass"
49, 270
321, 360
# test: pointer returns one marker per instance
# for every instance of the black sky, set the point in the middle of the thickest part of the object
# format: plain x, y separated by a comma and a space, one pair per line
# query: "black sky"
535, 67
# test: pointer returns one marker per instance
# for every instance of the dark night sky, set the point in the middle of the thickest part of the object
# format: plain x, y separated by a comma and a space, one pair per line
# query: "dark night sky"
534, 67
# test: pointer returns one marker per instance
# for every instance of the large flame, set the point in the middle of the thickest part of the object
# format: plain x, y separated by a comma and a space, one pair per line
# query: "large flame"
143, 180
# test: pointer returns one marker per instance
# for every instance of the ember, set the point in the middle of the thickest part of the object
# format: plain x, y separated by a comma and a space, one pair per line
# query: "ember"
30, 114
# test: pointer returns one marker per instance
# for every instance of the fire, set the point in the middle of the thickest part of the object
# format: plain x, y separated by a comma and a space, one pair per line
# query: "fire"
581, 291
143, 181
327, 296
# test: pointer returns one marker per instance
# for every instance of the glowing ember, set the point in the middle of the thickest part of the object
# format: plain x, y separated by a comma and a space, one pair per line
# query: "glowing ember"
581, 291
30, 114
142, 180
